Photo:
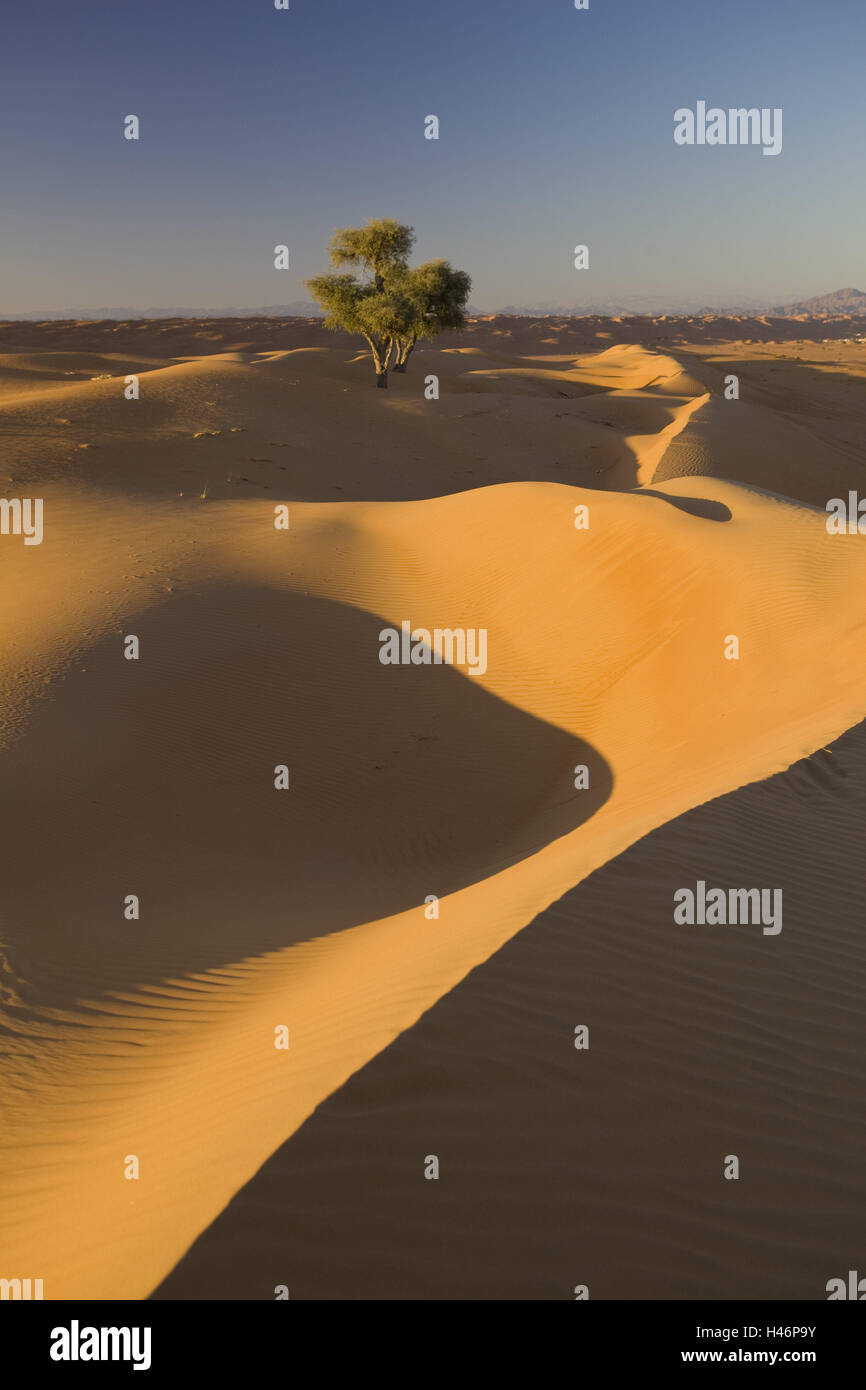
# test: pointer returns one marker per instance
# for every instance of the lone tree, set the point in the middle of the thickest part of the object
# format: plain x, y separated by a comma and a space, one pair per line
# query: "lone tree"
390, 305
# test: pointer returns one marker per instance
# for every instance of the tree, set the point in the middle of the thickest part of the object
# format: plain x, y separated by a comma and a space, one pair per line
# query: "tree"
393, 306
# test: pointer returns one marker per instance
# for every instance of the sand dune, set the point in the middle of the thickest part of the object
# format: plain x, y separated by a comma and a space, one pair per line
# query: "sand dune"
260, 647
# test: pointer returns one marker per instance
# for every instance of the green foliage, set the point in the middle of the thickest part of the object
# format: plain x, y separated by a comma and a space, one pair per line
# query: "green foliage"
382, 247
342, 298
394, 305
444, 292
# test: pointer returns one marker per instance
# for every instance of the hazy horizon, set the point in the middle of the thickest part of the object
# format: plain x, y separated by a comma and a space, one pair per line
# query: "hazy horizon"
309, 309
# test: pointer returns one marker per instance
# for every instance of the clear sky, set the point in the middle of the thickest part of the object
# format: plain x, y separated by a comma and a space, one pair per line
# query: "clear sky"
261, 127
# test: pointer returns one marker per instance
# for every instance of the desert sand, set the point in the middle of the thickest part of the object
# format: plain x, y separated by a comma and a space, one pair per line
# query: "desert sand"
305, 908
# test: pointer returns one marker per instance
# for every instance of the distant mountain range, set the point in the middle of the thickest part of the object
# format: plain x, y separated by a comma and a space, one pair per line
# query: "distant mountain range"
839, 303
613, 308
300, 308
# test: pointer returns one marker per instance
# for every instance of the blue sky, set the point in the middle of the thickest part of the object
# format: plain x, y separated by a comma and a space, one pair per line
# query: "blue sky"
261, 127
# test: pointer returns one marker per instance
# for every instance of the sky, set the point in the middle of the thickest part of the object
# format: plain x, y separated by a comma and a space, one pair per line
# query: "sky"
261, 127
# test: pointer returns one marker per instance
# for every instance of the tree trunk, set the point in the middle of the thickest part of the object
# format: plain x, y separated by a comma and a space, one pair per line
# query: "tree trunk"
381, 359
